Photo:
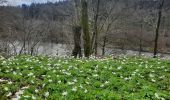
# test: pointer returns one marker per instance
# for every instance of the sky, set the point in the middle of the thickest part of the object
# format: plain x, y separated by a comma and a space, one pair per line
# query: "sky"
19, 2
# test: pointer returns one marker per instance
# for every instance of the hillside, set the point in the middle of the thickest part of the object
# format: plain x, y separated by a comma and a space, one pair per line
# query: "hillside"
39, 78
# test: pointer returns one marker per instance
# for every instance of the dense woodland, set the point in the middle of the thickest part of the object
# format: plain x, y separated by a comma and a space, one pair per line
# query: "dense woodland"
90, 25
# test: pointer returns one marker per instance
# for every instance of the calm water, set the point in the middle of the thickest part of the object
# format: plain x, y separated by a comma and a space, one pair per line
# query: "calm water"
53, 49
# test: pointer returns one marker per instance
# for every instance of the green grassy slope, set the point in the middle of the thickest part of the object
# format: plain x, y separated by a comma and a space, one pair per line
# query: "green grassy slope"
126, 78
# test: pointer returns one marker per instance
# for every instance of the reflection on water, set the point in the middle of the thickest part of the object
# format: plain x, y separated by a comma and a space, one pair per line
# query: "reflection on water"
52, 49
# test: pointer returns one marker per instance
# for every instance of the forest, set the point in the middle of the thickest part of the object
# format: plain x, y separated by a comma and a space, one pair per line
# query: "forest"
112, 24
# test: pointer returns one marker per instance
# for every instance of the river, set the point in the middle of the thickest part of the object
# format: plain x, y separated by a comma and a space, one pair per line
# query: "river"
52, 49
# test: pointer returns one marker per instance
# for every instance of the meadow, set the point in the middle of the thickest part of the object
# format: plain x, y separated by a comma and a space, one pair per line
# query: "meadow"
51, 78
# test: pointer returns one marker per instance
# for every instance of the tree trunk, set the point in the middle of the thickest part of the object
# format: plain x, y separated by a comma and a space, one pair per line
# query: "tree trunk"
96, 34
157, 29
104, 45
85, 27
140, 40
77, 42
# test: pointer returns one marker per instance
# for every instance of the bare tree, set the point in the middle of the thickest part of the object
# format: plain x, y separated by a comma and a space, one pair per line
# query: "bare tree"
77, 32
157, 28
77, 41
95, 36
108, 23
2, 1
85, 27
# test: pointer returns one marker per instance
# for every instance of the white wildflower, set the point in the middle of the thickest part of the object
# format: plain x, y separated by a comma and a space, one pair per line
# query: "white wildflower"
20, 74
151, 75
59, 82
43, 85
87, 83
46, 94
36, 91
64, 93
158, 97
30, 74
26, 96
95, 75
74, 89
26, 66
54, 71
106, 82
32, 81
70, 83
9, 82
4, 62
48, 76
14, 73
6, 89
119, 68
9, 94
126, 78
153, 80
50, 80
85, 91
102, 85
7, 71
75, 80
81, 86
161, 77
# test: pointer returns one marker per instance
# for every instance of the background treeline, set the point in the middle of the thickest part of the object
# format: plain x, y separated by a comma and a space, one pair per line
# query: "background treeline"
120, 24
